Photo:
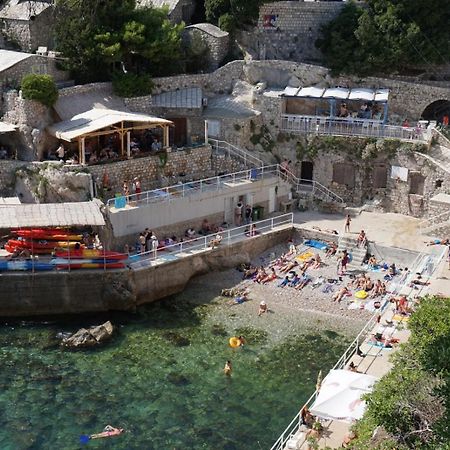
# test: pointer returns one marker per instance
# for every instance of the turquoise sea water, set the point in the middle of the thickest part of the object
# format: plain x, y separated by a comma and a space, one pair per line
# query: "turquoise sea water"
160, 378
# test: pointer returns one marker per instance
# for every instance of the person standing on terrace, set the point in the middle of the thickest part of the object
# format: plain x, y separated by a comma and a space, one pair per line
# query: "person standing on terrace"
348, 220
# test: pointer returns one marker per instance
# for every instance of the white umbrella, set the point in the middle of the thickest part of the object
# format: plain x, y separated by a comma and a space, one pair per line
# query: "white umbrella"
340, 394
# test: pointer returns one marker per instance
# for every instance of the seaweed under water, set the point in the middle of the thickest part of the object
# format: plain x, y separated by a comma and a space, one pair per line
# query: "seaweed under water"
160, 378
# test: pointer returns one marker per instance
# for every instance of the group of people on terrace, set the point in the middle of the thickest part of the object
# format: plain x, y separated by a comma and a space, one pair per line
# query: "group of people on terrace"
368, 110
107, 149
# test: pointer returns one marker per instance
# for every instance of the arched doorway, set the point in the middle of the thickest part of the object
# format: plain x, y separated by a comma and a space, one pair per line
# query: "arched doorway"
306, 170
437, 110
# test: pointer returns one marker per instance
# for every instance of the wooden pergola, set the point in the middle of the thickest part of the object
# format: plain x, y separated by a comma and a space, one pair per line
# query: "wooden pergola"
102, 122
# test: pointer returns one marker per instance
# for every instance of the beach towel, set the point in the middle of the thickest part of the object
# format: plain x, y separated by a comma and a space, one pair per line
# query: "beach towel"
304, 256
374, 343
316, 244
400, 318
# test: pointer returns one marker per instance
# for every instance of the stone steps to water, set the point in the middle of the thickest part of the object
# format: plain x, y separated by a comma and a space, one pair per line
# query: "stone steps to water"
351, 245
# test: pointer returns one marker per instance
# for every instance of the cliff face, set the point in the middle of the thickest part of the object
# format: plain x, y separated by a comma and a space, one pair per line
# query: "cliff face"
51, 183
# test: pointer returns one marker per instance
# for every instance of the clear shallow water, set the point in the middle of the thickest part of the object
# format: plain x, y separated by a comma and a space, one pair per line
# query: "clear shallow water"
167, 394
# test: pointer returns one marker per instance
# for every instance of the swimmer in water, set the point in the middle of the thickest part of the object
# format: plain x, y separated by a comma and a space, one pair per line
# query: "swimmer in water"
227, 369
242, 341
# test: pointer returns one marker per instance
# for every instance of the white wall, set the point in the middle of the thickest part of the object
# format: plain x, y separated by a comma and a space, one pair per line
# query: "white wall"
134, 220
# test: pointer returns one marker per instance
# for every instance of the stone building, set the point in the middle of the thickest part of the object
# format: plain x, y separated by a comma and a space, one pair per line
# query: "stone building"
288, 30
216, 41
28, 24
179, 10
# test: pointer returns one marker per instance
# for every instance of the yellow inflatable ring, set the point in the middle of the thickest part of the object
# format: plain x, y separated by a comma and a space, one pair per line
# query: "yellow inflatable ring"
234, 342
361, 294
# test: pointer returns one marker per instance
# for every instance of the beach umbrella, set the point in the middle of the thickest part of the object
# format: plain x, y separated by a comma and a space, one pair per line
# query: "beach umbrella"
319, 381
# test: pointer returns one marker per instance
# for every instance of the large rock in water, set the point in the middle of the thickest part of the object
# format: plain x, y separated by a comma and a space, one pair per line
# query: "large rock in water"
89, 337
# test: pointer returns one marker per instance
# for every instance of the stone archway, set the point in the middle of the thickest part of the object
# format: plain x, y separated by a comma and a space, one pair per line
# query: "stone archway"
437, 110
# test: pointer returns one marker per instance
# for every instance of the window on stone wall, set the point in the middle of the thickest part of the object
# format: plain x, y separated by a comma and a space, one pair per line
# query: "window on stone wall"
380, 175
213, 128
344, 173
39, 69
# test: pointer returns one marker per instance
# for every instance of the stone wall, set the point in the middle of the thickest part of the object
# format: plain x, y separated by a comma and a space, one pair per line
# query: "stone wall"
31, 34
182, 12
194, 163
289, 30
26, 294
215, 39
30, 140
7, 176
12, 76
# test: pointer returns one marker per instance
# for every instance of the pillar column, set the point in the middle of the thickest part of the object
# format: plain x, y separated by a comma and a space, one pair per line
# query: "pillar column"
128, 145
83, 151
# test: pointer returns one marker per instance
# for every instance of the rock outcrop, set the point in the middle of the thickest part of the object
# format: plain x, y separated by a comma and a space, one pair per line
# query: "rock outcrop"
89, 337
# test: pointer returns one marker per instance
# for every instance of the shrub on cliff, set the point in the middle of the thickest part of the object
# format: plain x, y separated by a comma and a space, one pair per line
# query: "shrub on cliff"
41, 88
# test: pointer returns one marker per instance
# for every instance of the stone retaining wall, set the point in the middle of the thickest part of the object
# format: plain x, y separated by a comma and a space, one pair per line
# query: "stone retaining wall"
289, 30
194, 163
26, 294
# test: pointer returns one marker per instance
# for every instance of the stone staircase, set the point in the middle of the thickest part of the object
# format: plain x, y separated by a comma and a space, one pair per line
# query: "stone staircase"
349, 243
439, 155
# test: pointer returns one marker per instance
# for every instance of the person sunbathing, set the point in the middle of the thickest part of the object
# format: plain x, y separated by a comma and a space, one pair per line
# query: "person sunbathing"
359, 282
387, 342
438, 242
317, 261
340, 294
304, 280
368, 283
250, 272
272, 275
288, 266
419, 282
331, 250
372, 262
260, 275
362, 239
401, 304
294, 281
376, 291
213, 243
326, 230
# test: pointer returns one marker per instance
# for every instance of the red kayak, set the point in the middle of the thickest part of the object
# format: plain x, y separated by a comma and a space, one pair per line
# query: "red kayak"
91, 254
55, 235
47, 246
37, 251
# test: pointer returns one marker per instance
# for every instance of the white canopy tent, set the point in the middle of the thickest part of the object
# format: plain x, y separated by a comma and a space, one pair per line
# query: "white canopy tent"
340, 395
377, 95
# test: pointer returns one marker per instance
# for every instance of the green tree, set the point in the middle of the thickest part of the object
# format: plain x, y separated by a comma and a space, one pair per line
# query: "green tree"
41, 88
387, 36
412, 402
99, 37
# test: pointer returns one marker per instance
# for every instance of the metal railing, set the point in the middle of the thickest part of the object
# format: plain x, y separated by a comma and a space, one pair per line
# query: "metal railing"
420, 263
210, 241
195, 187
222, 182
351, 127
314, 187
230, 150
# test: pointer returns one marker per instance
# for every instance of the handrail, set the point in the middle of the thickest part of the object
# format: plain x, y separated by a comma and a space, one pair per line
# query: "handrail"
351, 127
204, 242
246, 156
316, 186
205, 184
294, 425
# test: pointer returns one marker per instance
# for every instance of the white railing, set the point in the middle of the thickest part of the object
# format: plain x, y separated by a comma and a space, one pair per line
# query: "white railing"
167, 194
317, 190
204, 242
222, 182
421, 261
351, 127
231, 150
435, 222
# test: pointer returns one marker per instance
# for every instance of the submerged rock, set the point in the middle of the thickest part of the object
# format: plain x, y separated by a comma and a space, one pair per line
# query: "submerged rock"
89, 337
177, 339
177, 379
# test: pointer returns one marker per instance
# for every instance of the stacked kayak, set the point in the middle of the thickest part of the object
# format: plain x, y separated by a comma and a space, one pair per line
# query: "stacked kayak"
42, 240
25, 265
51, 234
89, 259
